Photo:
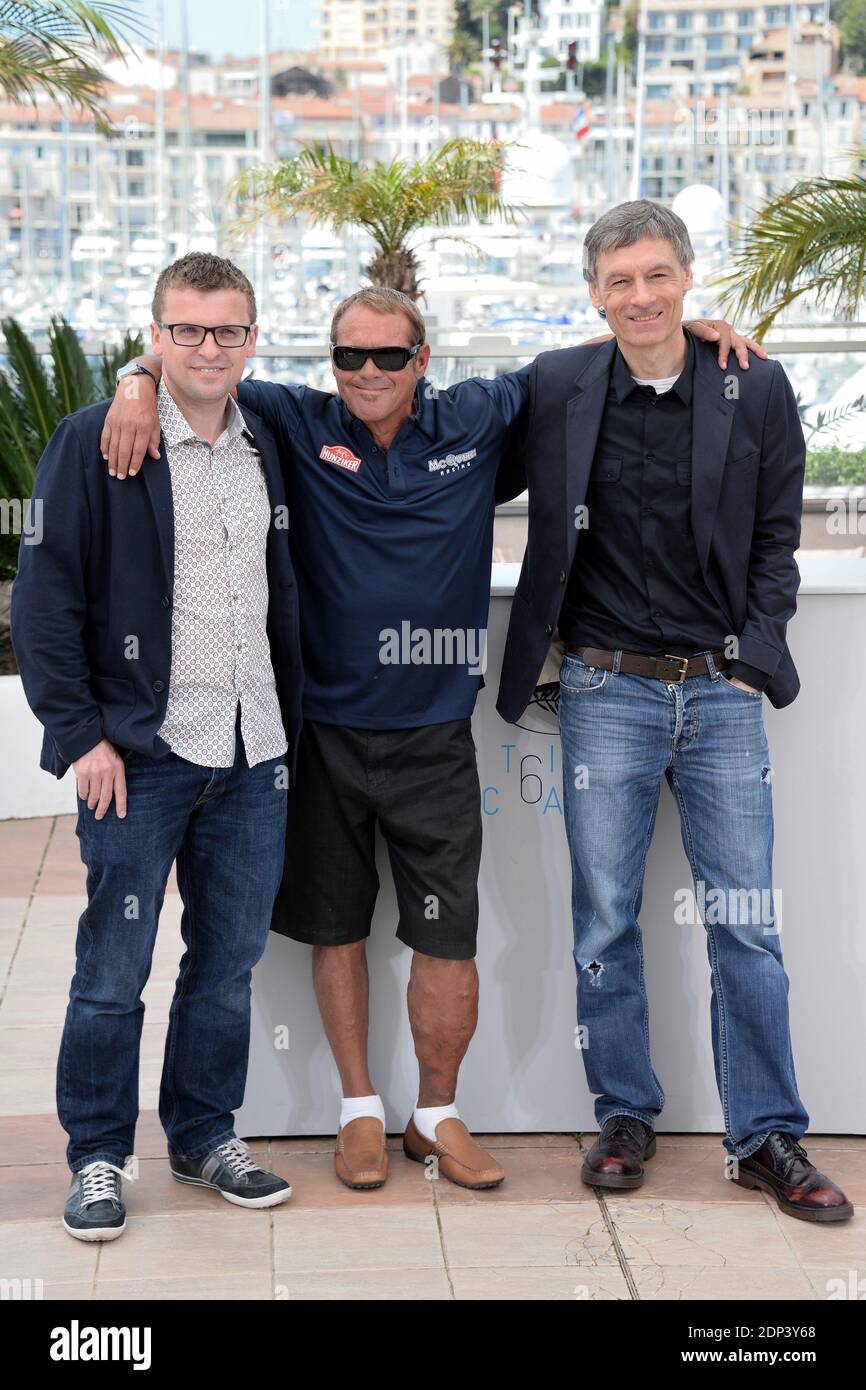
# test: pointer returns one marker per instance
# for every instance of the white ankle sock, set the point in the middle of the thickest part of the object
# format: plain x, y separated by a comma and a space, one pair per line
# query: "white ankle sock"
428, 1117
353, 1107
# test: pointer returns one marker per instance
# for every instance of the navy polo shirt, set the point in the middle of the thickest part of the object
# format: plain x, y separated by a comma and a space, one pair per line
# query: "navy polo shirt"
392, 550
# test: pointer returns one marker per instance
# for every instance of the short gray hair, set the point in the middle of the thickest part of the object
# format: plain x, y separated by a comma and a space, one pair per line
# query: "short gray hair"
626, 224
382, 301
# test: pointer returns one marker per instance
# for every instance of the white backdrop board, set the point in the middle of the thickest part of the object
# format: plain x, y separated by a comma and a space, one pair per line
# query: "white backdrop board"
522, 1072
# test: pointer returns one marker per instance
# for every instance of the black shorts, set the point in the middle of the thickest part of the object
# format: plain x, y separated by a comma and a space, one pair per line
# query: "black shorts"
421, 785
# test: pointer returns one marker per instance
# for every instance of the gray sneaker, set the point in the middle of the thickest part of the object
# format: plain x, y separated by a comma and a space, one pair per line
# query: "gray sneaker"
230, 1170
94, 1208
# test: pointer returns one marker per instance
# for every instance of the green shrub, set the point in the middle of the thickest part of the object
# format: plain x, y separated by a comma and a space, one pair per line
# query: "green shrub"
36, 391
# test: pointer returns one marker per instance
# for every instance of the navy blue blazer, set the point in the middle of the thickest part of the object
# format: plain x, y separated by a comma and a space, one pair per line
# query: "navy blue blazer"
92, 602
748, 464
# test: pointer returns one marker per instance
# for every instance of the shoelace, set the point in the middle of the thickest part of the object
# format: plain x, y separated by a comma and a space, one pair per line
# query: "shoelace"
791, 1148
99, 1183
630, 1125
236, 1156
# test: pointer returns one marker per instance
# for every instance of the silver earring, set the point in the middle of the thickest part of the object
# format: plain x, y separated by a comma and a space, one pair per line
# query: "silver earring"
602, 313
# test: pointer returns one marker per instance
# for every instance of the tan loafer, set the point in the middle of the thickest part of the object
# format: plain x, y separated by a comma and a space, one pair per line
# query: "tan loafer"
361, 1159
461, 1160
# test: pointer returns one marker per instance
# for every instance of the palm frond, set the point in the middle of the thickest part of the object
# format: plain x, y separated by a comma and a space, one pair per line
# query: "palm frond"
32, 385
810, 240
73, 383
113, 358
53, 48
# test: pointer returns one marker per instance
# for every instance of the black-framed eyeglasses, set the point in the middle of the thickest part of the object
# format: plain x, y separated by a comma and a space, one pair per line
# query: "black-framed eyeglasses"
387, 359
227, 335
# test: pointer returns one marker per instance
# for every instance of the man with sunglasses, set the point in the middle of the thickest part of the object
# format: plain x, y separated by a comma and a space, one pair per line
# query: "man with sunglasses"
156, 631
391, 487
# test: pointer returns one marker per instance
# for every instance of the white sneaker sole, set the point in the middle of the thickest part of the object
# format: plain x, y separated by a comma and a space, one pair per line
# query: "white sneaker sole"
96, 1232
272, 1200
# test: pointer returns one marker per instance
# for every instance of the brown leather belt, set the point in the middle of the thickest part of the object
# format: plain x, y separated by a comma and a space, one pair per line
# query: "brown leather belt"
673, 669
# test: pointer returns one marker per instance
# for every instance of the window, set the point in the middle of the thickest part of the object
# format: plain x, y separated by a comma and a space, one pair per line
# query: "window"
684, 19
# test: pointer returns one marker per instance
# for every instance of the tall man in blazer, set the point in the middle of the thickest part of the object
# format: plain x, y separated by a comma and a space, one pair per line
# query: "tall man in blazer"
156, 631
664, 513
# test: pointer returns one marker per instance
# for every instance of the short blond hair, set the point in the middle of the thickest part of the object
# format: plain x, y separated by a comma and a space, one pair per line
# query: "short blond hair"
200, 270
383, 301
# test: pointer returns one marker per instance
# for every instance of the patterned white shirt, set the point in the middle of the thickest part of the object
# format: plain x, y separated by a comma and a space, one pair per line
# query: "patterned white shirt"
220, 653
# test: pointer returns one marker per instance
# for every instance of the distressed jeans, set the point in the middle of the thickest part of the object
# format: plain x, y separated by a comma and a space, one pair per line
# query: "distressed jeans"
225, 826
620, 735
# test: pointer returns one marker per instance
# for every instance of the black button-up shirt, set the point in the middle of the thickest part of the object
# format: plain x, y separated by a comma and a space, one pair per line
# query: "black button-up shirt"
636, 581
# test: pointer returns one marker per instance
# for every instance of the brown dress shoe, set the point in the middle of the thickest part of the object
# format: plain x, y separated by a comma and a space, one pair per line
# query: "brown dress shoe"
361, 1159
460, 1159
616, 1157
780, 1167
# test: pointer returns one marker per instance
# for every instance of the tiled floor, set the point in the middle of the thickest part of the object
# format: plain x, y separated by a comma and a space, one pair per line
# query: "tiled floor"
686, 1234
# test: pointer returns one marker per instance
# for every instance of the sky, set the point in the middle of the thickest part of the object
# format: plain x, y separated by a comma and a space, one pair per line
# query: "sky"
218, 27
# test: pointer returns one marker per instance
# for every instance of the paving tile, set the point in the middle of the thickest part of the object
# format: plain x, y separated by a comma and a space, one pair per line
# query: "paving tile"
700, 1233
533, 1283
185, 1243
12, 909
710, 1283
527, 1141
253, 1285
56, 912
22, 847
834, 1283
526, 1234
31, 1139
367, 1285
531, 1175
358, 1238
43, 1250
312, 1143
315, 1184
835, 1141
820, 1243
688, 1172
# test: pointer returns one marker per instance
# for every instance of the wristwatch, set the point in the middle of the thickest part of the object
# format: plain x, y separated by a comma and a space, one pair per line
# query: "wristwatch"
135, 369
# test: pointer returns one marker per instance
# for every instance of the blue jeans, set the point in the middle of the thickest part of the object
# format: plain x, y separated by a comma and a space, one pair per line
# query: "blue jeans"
620, 735
226, 829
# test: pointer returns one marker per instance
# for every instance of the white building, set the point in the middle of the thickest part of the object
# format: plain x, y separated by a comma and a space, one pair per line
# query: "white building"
362, 29
572, 21
695, 47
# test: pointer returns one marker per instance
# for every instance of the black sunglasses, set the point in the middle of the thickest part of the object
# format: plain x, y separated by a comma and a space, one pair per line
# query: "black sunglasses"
387, 359
193, 334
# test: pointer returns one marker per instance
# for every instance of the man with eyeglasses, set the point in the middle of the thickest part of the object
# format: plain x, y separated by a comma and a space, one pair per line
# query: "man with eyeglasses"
156, 631
391, 487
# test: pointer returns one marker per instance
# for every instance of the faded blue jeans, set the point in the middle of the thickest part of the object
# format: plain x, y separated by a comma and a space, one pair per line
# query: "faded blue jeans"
620, 735
226, 829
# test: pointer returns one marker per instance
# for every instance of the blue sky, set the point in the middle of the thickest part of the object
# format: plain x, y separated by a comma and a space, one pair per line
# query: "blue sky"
231, 26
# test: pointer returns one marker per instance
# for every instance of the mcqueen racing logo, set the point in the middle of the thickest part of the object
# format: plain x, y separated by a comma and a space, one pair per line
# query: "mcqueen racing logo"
451, 462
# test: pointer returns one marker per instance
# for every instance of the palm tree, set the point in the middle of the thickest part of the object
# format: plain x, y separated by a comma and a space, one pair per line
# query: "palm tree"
811, 240
51, 47
392, 201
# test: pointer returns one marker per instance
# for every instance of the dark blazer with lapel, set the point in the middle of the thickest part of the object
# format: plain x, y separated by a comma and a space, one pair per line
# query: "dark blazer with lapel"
748, 462
92, 602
